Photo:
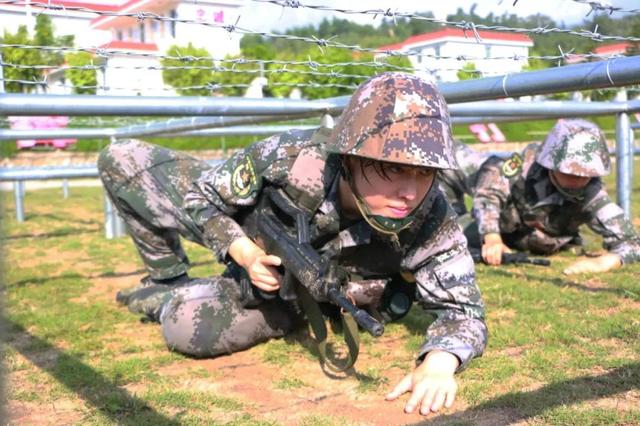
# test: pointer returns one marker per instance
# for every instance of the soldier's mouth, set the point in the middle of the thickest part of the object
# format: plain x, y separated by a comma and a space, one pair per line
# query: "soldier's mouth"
399, 212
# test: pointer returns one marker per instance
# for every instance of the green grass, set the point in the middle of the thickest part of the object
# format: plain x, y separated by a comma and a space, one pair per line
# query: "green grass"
562, 350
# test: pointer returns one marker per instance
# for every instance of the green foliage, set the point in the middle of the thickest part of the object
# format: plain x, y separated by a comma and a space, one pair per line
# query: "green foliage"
183, 79
468, 72
79, 77
19, 56
44, 36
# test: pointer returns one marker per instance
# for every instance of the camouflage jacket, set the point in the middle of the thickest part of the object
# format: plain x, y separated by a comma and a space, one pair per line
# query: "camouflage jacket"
455, 183
516, 198
433, 249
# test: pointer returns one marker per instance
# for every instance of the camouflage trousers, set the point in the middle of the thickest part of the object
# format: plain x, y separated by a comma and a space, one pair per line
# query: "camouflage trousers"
147, 185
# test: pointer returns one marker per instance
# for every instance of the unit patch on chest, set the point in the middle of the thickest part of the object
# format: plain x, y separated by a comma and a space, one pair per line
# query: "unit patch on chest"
512, 166
243, 178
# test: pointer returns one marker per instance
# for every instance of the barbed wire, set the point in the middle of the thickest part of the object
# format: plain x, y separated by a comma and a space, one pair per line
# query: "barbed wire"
324, 43
464, 25
209, 86
108, 53
284, 69
601, 6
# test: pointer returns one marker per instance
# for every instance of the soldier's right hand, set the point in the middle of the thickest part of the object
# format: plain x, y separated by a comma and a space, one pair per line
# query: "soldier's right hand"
492, 249
260, 266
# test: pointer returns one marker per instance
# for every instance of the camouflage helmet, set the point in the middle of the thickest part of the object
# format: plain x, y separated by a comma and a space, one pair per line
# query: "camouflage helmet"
399, 118
576, 147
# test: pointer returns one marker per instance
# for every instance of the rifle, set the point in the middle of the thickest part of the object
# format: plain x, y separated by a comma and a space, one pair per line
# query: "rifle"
301, 262
511, 258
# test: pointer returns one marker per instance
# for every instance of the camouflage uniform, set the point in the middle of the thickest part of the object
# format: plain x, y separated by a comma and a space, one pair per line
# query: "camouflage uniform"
455, 183
208, 319
516, 197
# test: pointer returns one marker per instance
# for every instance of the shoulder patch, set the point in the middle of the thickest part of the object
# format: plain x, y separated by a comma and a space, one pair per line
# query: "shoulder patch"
243, 178
512, 166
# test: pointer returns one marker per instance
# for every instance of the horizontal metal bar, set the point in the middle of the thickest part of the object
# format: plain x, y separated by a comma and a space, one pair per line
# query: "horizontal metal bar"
9, 174
593, 75
615, 72
85, 105
543, 108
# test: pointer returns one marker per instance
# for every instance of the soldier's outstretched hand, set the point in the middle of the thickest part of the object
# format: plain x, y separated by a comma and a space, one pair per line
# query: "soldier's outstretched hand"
492, 249
595, 264
260, 266
432, 384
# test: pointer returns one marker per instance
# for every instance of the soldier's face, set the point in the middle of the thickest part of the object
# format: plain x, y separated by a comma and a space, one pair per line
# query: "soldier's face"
568, 181
389, 189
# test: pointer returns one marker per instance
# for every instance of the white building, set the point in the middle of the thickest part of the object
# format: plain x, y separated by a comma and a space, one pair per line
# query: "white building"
134, 45
445, 52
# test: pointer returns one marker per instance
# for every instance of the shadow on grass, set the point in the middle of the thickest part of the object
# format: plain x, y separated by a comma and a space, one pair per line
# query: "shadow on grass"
76, 275
112, 401
564, 282
523, 405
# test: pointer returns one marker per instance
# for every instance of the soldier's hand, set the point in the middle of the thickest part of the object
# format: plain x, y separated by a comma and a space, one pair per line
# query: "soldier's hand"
596, 264
260, 266
432, 384
492, 249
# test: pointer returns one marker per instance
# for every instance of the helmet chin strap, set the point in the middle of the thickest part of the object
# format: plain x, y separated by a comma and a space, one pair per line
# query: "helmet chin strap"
571, 194
382, 224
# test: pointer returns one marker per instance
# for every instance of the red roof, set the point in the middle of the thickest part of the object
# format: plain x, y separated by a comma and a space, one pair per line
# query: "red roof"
72, 3
459, 32
130, 45
613, 48
119, 8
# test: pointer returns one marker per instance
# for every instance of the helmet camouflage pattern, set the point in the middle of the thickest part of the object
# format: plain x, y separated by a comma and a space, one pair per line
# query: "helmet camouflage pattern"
576, 147
399, 118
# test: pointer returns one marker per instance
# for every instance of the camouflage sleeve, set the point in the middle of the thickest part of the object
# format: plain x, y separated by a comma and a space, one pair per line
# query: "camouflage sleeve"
608, 220
446, 283
491, 192
222, 191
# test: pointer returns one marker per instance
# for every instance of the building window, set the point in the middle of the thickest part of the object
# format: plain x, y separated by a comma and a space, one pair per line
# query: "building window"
119, 35
436, 51
487, 51
142, 35
130, 34
155, 26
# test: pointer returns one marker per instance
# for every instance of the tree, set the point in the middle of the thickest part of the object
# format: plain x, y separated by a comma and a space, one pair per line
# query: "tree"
468, 72
182, 79
20, 56
80, 77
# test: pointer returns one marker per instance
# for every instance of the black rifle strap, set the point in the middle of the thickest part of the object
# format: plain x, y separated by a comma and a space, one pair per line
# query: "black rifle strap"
319, 328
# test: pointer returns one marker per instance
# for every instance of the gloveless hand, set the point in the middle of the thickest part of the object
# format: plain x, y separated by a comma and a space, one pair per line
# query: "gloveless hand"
432, 384
260, 266
492, 249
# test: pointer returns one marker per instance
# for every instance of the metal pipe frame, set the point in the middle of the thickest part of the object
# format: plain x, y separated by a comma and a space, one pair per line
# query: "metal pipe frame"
472, 112
623, 149
592, 75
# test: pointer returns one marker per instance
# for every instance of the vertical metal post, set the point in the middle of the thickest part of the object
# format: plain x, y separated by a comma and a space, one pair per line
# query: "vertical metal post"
327, 121
18, 191
65, 188
623, 182
1, 74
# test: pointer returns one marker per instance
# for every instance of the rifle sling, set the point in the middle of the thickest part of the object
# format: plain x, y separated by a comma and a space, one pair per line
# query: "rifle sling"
319, 328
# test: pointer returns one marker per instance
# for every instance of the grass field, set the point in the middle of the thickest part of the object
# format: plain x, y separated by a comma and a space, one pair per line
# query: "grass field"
562, 350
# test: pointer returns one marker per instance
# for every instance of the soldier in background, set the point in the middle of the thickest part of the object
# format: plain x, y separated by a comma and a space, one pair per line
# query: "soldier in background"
369, 185
537, 200
455, 183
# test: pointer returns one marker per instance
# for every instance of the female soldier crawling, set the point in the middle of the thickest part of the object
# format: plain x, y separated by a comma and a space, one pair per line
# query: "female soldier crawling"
369, 185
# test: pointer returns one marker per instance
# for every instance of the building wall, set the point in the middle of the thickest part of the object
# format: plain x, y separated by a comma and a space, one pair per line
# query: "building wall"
446, 69
64, 23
